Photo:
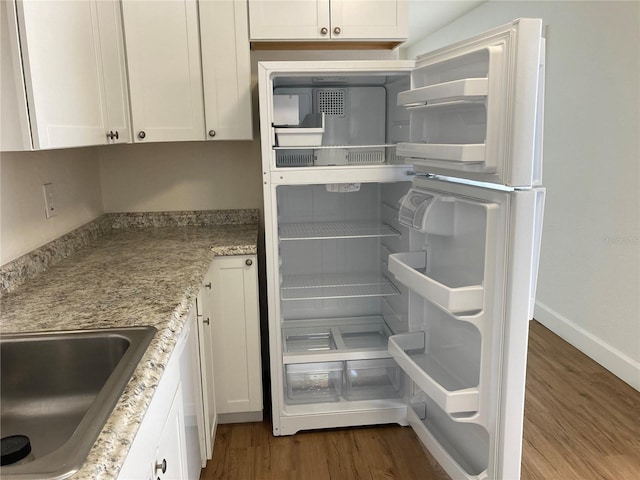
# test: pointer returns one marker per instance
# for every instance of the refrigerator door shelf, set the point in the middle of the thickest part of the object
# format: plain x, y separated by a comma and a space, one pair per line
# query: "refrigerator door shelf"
462, 90
464, 154
456, 298
408, 349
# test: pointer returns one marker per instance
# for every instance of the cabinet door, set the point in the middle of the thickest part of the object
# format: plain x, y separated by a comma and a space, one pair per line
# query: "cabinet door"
289, 20
114, 70
369, 19
165, 78
15, 134
205, 338
63, 73
171, 453
226, 70
236, 335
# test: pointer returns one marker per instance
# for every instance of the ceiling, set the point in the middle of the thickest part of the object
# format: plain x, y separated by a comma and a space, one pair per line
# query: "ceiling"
428, 16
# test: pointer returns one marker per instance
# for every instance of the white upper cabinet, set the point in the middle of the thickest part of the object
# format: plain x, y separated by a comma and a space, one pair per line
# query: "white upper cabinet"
349, 20
165, 77
68, 55
226, 70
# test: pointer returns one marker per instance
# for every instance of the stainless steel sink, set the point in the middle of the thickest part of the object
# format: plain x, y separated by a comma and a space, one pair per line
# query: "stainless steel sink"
59, 388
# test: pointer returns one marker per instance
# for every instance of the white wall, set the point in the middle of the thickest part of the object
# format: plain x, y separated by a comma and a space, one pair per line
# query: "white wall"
589, 279
78, 198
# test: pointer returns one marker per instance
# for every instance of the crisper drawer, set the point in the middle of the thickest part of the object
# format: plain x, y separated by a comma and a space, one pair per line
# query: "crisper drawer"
370, 379
350, 380
314, 382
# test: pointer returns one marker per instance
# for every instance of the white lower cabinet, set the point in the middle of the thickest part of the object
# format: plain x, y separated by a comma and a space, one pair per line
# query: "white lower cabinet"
166, 445
221, 341
234, 338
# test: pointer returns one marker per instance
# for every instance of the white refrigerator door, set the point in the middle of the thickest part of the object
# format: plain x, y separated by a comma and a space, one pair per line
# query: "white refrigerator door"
469, 277
476, 107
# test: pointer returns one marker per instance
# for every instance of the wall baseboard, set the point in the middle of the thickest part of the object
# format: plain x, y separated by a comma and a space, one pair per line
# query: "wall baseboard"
621, 365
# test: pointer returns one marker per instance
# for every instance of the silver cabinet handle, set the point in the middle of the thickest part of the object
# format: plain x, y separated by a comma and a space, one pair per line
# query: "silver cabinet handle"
162, 466
141, 134
206, 321
207, 285
212, 133
248, 262
337, 30
324, 30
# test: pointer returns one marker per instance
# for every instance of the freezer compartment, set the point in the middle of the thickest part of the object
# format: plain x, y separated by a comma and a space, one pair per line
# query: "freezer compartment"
462, 449
452, 289
362, 123
437, 362
372, 379
313, 382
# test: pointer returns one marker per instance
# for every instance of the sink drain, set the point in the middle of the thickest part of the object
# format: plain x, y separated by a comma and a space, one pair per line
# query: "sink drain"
14, 448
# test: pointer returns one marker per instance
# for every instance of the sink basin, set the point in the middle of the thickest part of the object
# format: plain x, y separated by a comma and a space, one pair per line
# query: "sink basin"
59, 388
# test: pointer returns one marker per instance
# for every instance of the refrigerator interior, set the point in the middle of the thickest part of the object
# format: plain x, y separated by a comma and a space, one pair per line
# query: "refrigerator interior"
337, 303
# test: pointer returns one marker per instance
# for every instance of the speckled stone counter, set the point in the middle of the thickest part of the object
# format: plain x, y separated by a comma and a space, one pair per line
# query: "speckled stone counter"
126, 277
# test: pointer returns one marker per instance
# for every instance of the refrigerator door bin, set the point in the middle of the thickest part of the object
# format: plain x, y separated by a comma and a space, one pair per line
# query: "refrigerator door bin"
313, 382
308, 133
463, 449
372, 379
436, 373
447, 288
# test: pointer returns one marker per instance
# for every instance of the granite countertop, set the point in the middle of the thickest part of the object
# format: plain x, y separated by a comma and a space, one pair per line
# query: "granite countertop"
126, 277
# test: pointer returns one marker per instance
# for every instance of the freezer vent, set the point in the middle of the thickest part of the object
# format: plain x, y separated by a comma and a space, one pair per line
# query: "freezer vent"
331, 101
294, 159
367, 158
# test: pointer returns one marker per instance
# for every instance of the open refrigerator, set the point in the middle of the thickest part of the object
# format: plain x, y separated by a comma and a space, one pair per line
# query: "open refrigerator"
403, 215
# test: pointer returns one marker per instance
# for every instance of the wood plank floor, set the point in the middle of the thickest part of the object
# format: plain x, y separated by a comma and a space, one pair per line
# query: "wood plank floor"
581, 422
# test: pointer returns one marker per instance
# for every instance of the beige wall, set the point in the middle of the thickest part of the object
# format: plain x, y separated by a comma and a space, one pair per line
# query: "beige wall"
78, 197
590, 266
180, 176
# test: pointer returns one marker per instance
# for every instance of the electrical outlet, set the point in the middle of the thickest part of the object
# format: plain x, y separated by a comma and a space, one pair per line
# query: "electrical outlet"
49, 204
